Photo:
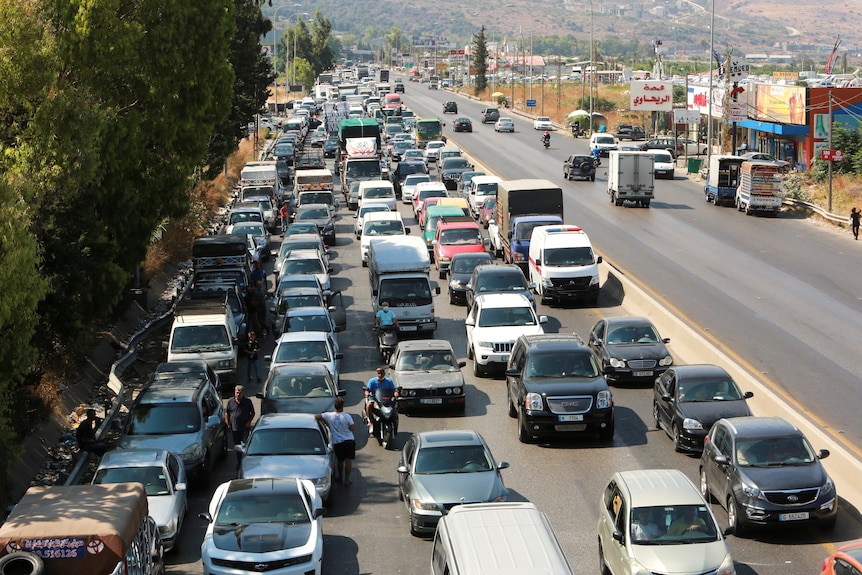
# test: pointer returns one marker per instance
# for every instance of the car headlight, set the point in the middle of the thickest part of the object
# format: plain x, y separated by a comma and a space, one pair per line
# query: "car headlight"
665, 361
321, 480
534, 402
169, 528
752, 491
594, 280
603, 399
617, 363
547, 283
456, 391
726, 567
456, 284
690, 424
329, 227
425, 505
225, 363
192, 453
485, 344
827, 486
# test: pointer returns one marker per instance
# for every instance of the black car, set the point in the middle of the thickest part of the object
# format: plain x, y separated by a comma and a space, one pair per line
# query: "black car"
583, 167
398, 88
490, 278
403, 170
630, 349
555, 388
629, 132
451, 169
321, 216
450, 107
462, 125
330, 147
664, 143
764, 472
460, 270
283, 171
688, 399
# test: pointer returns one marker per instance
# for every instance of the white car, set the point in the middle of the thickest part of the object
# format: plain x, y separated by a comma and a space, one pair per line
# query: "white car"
432, 149
379, 225
663, 165
494, 323
367, 208
307, 347
543, 123
604, 142
409, 186
271, 525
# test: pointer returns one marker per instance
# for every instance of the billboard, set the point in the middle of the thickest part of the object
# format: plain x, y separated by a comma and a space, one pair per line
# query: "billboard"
651, 95
697, 98
779, 104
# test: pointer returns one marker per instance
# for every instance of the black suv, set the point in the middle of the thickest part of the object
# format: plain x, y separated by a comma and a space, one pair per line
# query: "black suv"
492, 278
555, 387
398, 88
403, 170
450, 107
490, 115
764, 472
583, 167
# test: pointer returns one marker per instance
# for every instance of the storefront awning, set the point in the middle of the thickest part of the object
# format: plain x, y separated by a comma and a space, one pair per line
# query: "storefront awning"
777, 129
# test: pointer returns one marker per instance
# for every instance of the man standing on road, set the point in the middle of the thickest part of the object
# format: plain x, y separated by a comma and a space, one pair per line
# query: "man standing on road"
343, 441
238, 417
855, 216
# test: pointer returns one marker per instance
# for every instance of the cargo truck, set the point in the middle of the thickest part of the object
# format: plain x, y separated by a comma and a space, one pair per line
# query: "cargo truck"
722, 179
759, 188
631, 177
359, 140
521, 206
398, 271
262, 175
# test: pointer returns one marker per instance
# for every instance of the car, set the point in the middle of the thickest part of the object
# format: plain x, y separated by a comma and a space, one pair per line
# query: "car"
292, 298
182, 370
488, 210
543, 123
299, 388
164, 479
264, 524
307, 347
310, 281
330, 319
396, 152
301, 228
413, 155
450, 107
440, 469
428, 374
308, 262
321, 215
494, 323
554, 387
378, 225
579, 166
289, 445
398, 88
492, 278
490, 115
764, 472
409, 186
258, 232
688, 399
846, 560
462, 125
451, 170
761, 157
504, 125
655, 521
454, 235
431, 150
299, 242
604, 142
666, 143
186, 418
629, 349
460, 270
663, 164
378, 191
330, 147
404, 169
366, 208
629, 132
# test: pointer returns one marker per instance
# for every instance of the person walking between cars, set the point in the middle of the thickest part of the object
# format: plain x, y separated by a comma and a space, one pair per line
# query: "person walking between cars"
251, 311
284, 214
855, 216
343, 441
238, 417
251, 349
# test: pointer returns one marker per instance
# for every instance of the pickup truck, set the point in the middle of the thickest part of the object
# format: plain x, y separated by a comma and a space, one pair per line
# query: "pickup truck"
583, 167
627, 132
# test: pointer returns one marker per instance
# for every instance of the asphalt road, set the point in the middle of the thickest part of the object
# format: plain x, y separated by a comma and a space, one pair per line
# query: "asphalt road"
366, 529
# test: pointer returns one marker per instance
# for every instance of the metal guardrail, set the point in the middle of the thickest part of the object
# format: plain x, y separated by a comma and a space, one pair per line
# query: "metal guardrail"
834, 218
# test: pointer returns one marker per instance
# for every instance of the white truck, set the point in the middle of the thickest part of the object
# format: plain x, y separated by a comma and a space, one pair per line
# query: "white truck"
398, 271
563, 266
759, 188
631, 177
263, 175
205, 330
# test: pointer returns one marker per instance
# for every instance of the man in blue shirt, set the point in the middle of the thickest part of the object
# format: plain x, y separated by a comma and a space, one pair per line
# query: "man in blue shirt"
380, 381
385, 317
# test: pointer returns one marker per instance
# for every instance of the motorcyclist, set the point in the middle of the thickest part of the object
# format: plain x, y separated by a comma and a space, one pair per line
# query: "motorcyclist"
379, 381
597, 155
546, 138
385, 318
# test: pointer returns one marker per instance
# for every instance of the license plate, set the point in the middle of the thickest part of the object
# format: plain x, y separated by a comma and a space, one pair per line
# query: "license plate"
578, 417
641, 373
431, 401
802, 516
408, 328
570, 427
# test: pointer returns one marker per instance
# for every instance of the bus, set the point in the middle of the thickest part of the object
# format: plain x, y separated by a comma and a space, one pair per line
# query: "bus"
428, 130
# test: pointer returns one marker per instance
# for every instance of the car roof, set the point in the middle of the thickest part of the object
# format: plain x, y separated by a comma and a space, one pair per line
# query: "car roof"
486, 179
497, 269
699, 371
655, 487
750, 427
318, 206
307, 310
424, 344
285, 420
301, 336
300, 368
133, 458
192, 367
627, 320
282, 486
496, 300
543, 342
169, 391
448, 437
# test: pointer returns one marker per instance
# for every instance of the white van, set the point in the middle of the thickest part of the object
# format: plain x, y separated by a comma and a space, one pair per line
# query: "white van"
378, 191
480, 188
562, 264
379, 225
494, 538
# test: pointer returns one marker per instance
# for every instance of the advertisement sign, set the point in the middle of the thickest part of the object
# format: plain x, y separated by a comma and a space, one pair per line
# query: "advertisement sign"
697, 99
780, 104
686, 116
738, 112
651, 95
832, 155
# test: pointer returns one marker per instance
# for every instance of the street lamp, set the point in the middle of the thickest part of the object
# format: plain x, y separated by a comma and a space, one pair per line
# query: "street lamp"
709, 99
591, 68
295, 34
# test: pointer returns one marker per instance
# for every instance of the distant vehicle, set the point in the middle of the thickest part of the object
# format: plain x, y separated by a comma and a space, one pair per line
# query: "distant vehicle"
543, 123
450, 107
504, 125
462, 125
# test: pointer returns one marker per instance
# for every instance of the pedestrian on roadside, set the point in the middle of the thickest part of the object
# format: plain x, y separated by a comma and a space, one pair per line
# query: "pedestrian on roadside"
257, 274
260, 298
238, 416
343, 441
855, 216
251, 311
87, 432
284, 214
251, 349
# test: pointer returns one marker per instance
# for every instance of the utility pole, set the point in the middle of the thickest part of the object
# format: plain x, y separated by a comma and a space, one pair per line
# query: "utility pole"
829, 147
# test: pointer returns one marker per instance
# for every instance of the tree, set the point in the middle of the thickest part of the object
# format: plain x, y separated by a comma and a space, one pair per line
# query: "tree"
394, 39
480, 60
312, 44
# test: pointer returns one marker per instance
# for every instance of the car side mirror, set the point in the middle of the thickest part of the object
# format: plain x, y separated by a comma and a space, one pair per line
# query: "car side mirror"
599, 260
729, 530
543, 319
513, 373
402, 469
206, 517
720, 459
259, 395
666, 397
503, 465
339, 356
748, 395
462, 364
469, 322
180, 487
406, 230
239, 449
319, 512
618, 536
341, 393
824, 453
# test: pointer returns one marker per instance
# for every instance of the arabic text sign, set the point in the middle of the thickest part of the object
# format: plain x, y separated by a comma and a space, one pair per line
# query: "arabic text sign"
651, 95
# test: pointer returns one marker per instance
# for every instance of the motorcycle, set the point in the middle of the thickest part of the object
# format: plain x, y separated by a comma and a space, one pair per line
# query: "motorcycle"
384, 418
597, 158
387, 339
546, 141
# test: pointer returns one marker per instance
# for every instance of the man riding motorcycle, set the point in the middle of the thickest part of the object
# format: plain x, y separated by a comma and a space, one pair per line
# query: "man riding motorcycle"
379, 382
546, 138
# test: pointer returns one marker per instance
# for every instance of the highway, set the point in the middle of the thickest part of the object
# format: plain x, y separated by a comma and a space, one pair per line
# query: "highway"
766, 302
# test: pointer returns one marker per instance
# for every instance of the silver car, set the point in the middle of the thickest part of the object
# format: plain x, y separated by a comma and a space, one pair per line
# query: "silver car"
440, 469
164, 479
308, 347
289, 445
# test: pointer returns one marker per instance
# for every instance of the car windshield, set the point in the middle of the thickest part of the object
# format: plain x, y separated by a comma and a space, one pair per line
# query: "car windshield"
461, 237
723, 389
286, 441
414, 179
774, 452
489, 189
503, 316
632, 334
525, 229
502, 282
164, 419
563, 257
299, 245
240, 508
312, 214
559, 365
302, 351
291, 267
405, 292
294, 301
286, 386
385, 228
249, 216
363, 169
426, 360
672, 525
605, 140
198, 338
372, 193
249, 228
152, 478
455, 163
317, 322
466, 265
455, 459
302, 228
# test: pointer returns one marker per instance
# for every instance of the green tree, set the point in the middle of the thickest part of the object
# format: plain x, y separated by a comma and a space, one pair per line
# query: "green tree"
480, 60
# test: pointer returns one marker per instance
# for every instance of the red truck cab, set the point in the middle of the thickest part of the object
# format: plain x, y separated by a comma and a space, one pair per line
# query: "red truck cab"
455, 235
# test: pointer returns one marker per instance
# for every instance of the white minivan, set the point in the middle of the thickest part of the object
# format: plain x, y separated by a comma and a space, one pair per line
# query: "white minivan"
377, 191
562, 264
379, 225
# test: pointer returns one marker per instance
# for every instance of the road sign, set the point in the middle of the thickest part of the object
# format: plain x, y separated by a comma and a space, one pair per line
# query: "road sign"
531, 103
739, 69
832, 155
738, 111
686, 117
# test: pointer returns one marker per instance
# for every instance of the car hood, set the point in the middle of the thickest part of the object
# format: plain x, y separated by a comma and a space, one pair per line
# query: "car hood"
161, 508
708, 412
428, 379
456, 487
447, 250
551, 386
784, 477
637, 351
260, 537
682, 559
505, 333
303, 466
173, 443
298, 405
461, 278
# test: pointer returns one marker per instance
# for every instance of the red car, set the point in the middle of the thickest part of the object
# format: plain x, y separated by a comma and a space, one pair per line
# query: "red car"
420, 217
487, 210
848, 559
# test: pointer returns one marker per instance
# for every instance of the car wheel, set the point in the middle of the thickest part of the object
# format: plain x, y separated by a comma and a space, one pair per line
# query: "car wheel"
513, 412
733, 517
469, 351
523, 435
603, 566
704, 486
677, 445
655, 415
478, 371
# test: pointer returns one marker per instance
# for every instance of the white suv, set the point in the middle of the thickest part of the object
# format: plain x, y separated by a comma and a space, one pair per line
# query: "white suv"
494, 322
431, 150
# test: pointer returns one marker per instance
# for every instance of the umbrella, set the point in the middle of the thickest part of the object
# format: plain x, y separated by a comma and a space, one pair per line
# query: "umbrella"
578, 114
497, 95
